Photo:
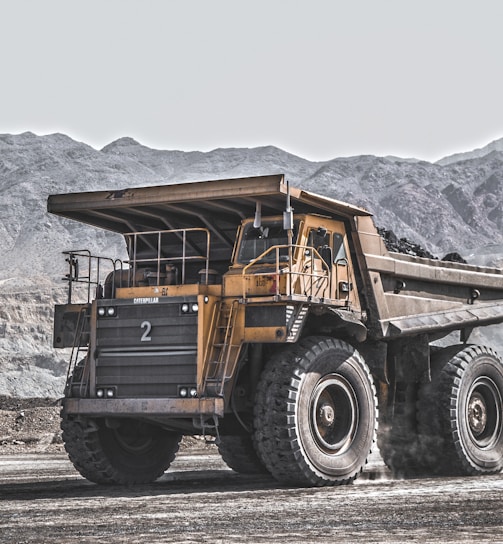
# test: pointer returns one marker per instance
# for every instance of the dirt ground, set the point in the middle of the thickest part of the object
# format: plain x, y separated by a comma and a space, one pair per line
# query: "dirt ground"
43, 499
29, 425
32, 425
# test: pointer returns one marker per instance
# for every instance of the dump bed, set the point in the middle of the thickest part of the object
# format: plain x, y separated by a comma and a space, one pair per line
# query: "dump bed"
409, 295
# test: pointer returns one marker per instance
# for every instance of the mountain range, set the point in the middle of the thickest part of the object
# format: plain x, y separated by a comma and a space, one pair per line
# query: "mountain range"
455, 204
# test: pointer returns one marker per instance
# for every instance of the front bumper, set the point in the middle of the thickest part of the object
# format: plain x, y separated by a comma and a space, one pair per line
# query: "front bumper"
160, 407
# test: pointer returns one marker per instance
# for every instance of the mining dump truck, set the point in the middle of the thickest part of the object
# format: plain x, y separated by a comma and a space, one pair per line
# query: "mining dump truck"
274, 322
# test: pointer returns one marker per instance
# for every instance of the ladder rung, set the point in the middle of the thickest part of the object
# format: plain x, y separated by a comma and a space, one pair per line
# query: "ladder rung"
223, 350
215, 381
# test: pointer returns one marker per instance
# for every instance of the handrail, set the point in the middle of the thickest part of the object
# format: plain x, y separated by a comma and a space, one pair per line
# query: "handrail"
94, 266
132, 239
313, 253
228, 339
74, 374
209, 347
93, 272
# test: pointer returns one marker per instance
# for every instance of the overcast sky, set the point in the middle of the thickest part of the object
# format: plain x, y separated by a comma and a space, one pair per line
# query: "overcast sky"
318, 78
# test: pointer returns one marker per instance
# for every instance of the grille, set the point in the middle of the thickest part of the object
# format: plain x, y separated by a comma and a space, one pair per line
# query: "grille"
146, 350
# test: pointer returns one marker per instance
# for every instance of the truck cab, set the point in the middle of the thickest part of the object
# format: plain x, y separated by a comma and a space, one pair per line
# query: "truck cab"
316, 264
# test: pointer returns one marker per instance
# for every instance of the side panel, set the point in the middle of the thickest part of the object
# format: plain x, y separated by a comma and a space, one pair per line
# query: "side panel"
274, 323
68, 323
265, 323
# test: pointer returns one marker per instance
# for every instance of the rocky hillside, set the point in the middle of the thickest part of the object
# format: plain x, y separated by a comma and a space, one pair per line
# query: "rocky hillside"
453, 205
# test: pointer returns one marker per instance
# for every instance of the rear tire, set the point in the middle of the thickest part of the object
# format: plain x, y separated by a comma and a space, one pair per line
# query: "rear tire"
397, 437
315, 413
127, 452
461, 412
239, 454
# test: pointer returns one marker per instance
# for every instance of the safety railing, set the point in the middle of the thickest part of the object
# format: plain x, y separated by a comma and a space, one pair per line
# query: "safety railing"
90, 275
307, 274
168, 248
77, 379
155, 258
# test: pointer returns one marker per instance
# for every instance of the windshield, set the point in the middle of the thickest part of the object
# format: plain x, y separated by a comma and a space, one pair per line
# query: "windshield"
257, 240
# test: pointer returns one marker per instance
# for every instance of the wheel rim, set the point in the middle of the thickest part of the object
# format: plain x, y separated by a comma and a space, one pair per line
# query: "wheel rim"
133, 438
333, 414
483, 413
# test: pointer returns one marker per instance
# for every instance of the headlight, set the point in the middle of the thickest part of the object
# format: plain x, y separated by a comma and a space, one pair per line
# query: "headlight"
189, 308
183, 392
100, 393
109, 311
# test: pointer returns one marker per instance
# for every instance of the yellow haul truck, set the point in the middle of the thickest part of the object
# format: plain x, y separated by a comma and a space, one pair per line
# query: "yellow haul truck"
274, 322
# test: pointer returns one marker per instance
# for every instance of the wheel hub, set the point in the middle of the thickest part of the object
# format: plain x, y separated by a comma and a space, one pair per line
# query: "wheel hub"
483, 413
477, 414
326, 415
334, 414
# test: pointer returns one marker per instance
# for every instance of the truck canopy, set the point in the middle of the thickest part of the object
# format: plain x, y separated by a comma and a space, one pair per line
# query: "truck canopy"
218, 206
205, 204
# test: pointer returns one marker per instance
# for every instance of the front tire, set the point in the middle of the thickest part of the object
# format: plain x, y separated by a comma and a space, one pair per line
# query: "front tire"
316, 413
126, 451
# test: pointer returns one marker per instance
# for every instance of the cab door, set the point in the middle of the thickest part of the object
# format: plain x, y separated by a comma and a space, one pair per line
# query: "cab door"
316, 271
343, 279
331, 254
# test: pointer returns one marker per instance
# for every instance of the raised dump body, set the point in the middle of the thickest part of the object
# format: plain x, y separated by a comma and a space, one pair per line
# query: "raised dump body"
275, 322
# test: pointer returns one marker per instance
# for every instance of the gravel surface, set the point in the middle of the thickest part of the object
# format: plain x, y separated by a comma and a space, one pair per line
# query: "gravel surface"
29, 425
32, 425
200, 500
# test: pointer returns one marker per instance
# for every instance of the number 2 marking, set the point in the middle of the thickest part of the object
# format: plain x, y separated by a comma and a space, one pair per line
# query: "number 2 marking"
148, 327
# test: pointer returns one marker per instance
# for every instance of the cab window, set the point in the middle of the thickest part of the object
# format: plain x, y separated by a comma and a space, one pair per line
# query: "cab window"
318, 238
257, 240
339, 249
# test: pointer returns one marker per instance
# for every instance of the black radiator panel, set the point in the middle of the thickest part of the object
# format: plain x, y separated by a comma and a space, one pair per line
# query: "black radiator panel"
146, 350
